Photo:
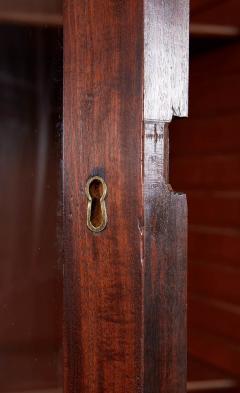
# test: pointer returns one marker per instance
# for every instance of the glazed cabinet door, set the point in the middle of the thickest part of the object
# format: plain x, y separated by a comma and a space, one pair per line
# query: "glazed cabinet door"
125, 77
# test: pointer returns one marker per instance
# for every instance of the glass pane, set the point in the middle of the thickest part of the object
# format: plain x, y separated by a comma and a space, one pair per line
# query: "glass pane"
30, 197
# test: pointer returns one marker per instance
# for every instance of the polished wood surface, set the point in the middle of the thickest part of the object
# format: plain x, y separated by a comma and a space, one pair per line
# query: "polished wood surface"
102, 136
125, 287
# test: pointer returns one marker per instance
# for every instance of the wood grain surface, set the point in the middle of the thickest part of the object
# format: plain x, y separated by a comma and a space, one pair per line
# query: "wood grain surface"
166, 32
165, 212
165, 234
130, 278
103, 273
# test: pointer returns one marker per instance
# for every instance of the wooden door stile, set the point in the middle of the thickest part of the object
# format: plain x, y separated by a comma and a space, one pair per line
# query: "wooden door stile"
125, 77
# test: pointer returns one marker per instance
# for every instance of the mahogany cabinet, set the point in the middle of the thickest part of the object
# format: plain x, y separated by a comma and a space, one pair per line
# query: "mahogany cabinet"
125, 77
90, 226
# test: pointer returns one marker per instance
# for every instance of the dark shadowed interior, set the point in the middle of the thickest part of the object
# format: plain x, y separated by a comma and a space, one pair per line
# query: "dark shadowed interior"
30, 208
205, 164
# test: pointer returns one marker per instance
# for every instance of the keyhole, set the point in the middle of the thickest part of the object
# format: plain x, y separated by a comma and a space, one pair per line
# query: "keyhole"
96, 191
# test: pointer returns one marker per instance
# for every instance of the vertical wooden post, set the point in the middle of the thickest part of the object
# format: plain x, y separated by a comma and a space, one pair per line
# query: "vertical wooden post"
166, 35
102, 136
124, 309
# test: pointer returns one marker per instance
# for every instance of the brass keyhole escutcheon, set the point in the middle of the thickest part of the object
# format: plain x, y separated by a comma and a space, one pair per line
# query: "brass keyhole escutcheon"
96, 190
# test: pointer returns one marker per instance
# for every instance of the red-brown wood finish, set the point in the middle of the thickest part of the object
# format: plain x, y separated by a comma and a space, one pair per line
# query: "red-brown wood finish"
205, 164
103, 273
125, 292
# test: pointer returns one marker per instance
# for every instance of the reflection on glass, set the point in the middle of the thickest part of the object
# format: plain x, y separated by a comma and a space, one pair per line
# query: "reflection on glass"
30, 152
